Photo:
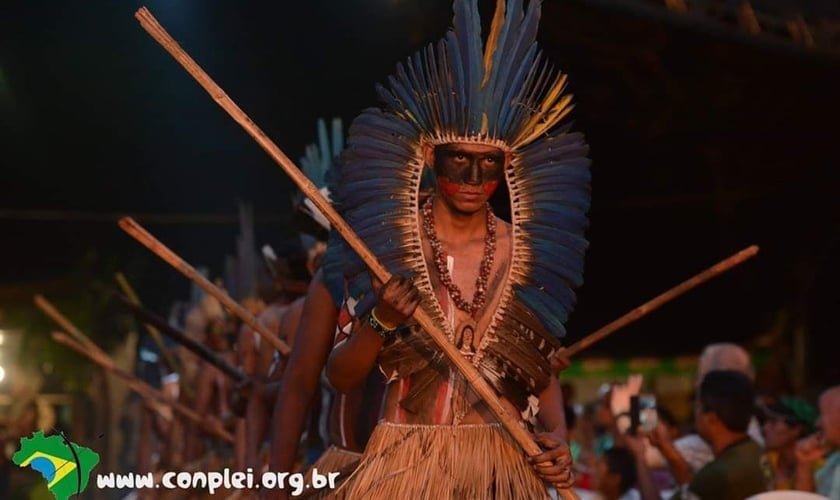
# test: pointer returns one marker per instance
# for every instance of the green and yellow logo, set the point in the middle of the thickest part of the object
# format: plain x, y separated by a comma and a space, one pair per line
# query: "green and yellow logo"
65, 466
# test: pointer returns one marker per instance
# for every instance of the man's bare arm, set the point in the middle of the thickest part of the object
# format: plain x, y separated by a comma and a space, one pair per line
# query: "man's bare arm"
300, 380
551, 414
351, 361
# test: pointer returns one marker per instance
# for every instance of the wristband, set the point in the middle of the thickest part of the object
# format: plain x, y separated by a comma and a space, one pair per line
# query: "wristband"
379, 327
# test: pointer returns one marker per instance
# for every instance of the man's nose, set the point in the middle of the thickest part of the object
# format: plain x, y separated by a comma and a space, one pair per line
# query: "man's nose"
474, 173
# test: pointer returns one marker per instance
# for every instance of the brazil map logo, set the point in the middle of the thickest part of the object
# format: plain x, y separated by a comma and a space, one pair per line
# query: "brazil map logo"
65, 466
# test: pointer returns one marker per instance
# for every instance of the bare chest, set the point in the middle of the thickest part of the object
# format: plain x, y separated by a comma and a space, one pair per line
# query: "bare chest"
460, 273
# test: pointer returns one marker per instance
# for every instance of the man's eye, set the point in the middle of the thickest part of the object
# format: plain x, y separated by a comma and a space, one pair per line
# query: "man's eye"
460, 157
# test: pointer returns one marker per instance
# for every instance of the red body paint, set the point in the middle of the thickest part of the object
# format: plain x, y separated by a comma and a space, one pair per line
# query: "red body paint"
450, 188
490, 187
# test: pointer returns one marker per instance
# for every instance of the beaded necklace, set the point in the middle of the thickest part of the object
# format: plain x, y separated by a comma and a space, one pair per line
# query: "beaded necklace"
440, 261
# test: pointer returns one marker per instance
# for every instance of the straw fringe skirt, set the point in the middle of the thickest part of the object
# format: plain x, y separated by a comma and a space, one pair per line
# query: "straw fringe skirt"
334, 459
442, 462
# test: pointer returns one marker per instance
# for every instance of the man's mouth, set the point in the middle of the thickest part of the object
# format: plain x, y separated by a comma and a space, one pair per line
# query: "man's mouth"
468, 191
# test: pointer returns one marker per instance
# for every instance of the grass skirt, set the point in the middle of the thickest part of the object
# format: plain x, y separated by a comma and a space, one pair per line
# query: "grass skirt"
334, 459
474, 462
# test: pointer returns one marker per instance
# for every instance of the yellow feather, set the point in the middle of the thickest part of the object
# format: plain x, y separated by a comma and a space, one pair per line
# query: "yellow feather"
493, 39
555, 92
546, 122
550, 113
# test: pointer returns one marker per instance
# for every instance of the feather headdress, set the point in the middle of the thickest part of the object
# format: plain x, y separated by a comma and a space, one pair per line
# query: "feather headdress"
317, 160
501, 93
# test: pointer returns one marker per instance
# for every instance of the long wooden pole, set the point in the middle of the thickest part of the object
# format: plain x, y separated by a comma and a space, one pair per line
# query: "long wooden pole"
50, 310
470, 373
152, 320
139, 386
85, 346
168, 358
137, 232
131, 295
662, 299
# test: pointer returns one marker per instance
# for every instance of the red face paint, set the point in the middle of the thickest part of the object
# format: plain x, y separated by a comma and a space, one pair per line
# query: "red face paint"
490, 187
447, 187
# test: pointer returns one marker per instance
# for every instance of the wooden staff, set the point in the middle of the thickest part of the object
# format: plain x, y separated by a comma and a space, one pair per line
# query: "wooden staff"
131, 295
51, 311
92, 351
152, 320
470, 373
663, 298
168, 358
137, 232
139, 386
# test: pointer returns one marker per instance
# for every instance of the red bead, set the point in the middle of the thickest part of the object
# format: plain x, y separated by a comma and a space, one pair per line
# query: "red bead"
440, 260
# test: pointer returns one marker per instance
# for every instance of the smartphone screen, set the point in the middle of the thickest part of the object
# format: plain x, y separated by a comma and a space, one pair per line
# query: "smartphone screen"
647, 413
635, 414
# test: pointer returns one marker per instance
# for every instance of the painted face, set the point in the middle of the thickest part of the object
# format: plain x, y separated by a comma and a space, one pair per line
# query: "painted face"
469, 169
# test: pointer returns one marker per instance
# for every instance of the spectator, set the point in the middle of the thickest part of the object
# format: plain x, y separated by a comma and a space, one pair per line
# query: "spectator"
810, 451
786, 421
669, 430
615, 475
696, 452
722, 412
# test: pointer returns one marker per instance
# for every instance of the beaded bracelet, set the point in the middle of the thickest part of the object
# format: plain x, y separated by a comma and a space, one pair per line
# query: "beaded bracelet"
379, 327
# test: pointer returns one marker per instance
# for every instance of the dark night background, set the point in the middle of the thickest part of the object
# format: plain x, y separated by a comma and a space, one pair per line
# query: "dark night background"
703, 141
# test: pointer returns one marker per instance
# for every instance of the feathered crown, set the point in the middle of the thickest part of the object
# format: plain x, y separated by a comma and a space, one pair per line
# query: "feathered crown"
317, 160
505, 95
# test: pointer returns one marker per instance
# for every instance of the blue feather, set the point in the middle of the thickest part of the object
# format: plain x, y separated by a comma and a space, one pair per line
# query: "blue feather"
535, 300
409, 104
375, 148
561, 240
443, 77
555, 147
382, 124
456, 63
494, 78
364, 219
557, 288
337, 137
417, 83
437, 105
468, 28
512, 95
388, 98
560, 262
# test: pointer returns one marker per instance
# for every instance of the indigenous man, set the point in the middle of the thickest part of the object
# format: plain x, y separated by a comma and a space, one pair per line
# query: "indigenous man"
499, 291
213, 387
258, 361
315, 327
264, 365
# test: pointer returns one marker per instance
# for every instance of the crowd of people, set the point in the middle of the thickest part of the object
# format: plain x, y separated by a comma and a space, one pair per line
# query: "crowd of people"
740, 442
